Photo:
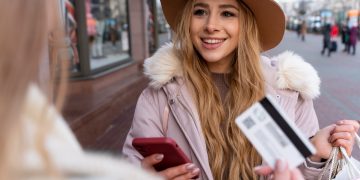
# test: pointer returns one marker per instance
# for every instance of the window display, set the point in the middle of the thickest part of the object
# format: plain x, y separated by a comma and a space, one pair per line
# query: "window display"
107, 29
71, 36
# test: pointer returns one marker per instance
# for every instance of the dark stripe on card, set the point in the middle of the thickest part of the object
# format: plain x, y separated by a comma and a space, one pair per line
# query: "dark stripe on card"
284, 126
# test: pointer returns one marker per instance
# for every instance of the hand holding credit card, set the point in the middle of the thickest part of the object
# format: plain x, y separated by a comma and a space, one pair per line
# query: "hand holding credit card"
273, 134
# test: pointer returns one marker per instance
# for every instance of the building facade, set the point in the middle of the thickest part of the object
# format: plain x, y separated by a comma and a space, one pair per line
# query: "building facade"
108, 41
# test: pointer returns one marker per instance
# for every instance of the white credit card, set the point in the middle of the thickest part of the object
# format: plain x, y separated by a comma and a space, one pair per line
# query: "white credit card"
273, 134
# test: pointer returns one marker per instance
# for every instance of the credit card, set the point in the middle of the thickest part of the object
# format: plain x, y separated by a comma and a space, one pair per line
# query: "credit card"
273, 134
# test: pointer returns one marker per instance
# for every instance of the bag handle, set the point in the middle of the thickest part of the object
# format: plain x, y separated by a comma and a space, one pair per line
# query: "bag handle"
333, 162
330, 163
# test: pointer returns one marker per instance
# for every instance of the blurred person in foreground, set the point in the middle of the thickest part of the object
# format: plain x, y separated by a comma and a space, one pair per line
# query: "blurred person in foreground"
35, 141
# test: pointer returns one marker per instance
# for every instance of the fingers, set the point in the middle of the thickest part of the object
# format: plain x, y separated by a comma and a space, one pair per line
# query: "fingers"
281, 171
296, 175
185, 171
344, 128
263, 170
347, 144
354, 123
341, 135
151, 160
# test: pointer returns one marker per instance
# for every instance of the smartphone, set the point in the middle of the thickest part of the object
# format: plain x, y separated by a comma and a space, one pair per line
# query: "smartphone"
173, 155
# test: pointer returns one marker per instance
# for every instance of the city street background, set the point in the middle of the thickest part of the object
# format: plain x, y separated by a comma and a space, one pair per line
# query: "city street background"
110, 39
339, 74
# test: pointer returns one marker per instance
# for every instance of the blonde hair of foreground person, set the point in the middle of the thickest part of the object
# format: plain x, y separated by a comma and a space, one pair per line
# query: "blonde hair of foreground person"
247, 86
27, 27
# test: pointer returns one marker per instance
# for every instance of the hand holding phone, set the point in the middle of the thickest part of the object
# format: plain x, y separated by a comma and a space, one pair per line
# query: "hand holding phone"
173, 155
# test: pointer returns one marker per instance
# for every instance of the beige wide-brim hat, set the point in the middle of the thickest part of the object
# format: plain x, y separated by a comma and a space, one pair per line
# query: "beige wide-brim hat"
268, 14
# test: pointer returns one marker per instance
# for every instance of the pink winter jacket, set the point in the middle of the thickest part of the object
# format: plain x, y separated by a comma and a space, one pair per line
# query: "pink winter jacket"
292, 81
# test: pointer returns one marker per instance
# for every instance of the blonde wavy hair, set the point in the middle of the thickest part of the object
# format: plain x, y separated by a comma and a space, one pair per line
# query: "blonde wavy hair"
24, 34
230, 154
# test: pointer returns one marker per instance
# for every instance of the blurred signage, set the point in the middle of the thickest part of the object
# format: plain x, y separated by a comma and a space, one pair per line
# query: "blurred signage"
353, 17
326, 13
353, 13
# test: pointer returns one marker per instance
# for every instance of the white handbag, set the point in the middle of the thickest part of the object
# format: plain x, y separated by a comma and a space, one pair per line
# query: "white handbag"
347, 168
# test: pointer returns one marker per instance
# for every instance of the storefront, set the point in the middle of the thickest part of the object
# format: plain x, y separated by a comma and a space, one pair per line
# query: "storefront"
98, 35
108, 36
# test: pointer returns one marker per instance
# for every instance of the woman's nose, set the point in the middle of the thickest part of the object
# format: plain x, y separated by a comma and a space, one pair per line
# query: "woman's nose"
212, 24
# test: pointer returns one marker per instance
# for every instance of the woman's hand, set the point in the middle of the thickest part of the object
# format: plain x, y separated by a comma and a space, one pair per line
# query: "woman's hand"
341, 134
344, 134
181, 172
321, 142
281, 172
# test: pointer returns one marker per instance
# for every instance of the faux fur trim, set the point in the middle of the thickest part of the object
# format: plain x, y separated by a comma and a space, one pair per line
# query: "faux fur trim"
292, 71
162, 66
296, 74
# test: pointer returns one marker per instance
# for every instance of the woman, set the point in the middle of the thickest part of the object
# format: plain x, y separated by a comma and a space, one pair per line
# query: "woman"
210, 75
35, 141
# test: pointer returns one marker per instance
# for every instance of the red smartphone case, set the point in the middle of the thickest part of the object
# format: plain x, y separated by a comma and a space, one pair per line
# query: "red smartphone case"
173, 155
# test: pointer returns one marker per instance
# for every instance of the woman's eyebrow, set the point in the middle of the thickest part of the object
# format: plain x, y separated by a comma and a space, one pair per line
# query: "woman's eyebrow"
226, 6
203, 5
221, 6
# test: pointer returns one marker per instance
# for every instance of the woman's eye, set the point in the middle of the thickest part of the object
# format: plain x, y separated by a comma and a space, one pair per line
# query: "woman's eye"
199, 12
228, 14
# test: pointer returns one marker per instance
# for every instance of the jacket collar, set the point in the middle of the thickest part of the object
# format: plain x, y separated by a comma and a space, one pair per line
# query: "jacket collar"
290, 71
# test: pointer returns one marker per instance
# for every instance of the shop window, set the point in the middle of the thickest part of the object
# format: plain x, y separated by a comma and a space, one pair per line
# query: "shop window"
97, 33
71, 36
107, 29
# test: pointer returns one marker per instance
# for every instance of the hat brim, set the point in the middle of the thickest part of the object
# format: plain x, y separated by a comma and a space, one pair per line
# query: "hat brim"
269, 17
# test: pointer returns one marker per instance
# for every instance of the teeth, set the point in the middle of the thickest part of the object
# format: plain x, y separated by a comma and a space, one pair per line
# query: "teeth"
213, 41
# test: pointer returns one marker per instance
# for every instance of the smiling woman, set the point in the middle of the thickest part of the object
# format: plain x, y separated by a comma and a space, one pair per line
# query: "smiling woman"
211, 74
216, 43
35, 140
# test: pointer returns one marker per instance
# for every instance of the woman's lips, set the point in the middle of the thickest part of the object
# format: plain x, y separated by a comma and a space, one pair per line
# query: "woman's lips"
212, 43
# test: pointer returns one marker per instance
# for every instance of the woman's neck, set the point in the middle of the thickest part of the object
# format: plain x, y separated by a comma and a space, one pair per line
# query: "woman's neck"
219, 67
222, 66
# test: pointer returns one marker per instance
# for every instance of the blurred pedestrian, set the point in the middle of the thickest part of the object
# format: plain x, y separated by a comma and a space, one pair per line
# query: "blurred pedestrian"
333, 37
326, 31
212, 73
303, 30
35, 141
298, 30
353, 40
345, 36
334, 31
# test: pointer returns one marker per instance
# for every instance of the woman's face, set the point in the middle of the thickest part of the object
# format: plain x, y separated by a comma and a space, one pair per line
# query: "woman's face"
214, 31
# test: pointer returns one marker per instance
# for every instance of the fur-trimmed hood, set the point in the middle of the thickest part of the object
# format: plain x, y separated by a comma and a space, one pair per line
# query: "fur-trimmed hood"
292, 72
